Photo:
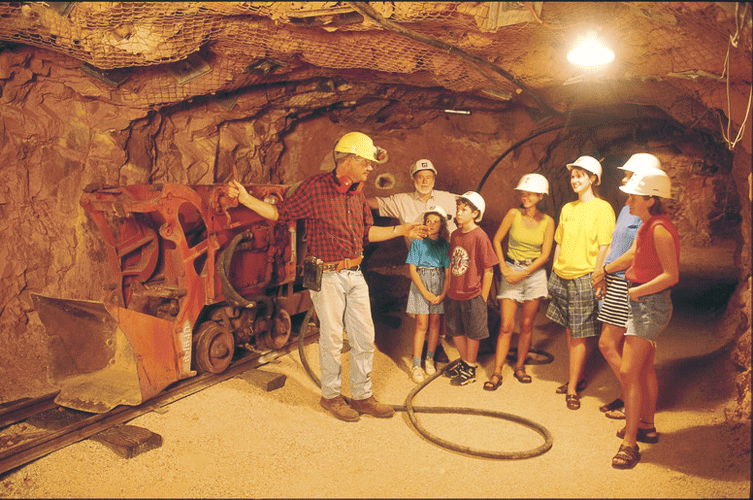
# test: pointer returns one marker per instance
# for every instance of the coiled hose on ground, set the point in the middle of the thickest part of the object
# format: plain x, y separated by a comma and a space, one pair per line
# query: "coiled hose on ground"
412, 410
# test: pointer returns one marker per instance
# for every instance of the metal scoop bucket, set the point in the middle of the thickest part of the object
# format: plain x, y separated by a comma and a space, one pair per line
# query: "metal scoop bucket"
102, 356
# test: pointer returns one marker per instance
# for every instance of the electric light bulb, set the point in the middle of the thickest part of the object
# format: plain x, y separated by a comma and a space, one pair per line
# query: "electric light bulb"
590, 53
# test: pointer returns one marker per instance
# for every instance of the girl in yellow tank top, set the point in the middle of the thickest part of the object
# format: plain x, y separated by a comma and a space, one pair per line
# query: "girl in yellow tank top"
530, 234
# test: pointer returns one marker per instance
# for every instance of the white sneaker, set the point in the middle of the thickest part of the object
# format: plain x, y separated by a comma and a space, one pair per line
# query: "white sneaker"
417, 374
429, 367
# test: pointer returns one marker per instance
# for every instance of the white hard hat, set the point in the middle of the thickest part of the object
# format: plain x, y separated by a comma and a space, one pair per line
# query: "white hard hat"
433, 210
422, 165
476, 200
589, 164
649, 182
533, 183
360, 144
641, 161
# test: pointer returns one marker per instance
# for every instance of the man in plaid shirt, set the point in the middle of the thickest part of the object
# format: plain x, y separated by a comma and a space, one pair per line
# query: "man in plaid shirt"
338, 225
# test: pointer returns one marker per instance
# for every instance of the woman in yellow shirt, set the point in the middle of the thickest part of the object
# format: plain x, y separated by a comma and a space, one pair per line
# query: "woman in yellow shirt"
583, 234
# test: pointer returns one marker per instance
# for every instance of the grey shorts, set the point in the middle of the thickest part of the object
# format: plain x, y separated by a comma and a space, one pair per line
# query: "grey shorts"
467, 317
615, 308
532, 287
573, 305
649, 315
433, 280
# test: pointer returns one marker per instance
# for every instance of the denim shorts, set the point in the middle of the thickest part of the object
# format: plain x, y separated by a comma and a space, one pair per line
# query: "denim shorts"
433, 280
467, 317
649, 315
532, 287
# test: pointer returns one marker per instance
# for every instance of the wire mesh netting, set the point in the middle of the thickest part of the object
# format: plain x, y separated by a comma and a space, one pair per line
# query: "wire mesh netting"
188, 49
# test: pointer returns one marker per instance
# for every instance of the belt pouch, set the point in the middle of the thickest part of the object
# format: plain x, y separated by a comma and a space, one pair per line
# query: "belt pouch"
312, 273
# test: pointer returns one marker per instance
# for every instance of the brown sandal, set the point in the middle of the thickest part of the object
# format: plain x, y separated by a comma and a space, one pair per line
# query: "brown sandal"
492, 386
521, 375
573, 401
626, 457
616, 414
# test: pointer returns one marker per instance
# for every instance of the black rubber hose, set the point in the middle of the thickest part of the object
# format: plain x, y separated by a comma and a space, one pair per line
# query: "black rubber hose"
516, 146
512, 355
412, 410
223, 265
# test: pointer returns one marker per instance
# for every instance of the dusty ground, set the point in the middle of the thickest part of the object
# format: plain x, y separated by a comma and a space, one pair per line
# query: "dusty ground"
236, 440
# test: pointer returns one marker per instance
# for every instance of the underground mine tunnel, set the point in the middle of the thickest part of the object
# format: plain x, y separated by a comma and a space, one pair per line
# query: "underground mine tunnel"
161, 94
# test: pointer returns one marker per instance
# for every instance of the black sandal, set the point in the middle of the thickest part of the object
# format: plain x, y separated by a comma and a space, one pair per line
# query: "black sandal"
649, 436
626, 457
521, 375
563, 388
614, 405
492, 386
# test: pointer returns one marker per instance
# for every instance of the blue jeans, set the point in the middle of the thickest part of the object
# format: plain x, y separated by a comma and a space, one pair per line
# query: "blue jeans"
343, 304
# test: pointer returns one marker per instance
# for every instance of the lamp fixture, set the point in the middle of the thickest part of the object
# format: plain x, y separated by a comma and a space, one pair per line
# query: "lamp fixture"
590, 53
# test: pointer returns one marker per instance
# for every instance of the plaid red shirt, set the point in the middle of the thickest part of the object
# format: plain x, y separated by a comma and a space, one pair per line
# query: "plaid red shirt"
337, 225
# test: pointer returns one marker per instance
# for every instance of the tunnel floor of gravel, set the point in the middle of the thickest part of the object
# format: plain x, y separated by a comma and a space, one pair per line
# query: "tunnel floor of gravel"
237, 440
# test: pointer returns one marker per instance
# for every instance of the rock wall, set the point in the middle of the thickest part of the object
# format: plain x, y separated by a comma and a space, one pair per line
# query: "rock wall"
59, 137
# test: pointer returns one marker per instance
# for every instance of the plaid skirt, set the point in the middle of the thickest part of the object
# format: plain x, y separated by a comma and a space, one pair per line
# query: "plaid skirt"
573, 305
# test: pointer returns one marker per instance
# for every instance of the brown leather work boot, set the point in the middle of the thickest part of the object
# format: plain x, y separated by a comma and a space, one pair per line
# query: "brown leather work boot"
340, 409
372, 407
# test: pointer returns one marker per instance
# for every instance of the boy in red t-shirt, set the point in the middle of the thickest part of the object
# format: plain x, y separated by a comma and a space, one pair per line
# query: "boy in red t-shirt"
472, 260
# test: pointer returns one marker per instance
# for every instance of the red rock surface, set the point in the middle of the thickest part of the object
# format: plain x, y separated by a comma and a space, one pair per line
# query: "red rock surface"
62, 129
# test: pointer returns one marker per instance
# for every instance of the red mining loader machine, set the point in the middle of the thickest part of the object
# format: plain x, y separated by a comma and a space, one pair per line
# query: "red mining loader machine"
193, 277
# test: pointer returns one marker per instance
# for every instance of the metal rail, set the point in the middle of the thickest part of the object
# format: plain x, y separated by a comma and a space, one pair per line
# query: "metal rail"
30, 450
21, 410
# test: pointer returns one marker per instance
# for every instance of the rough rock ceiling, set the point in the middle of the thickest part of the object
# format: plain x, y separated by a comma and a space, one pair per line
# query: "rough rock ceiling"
486, 54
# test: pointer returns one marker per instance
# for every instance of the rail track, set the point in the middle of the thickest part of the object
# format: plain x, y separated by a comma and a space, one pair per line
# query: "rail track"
30, 446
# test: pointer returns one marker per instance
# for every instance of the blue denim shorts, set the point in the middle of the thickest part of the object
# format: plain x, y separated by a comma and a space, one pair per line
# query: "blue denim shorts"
532, 287
649, 315
433, 280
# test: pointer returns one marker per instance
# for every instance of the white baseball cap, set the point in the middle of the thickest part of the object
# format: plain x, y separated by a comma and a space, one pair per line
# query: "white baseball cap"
422, 165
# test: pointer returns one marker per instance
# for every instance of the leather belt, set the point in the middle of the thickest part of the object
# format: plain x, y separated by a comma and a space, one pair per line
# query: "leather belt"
349, 264
522, 263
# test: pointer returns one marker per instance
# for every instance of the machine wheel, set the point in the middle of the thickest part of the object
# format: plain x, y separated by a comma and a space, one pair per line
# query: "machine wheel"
214, 348
277, 336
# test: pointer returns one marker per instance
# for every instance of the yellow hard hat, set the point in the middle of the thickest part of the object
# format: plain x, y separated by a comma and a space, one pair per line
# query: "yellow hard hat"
361, 145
